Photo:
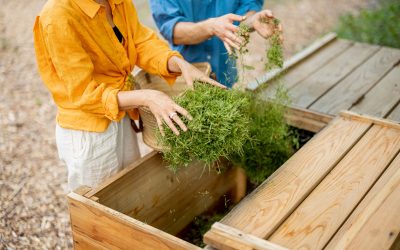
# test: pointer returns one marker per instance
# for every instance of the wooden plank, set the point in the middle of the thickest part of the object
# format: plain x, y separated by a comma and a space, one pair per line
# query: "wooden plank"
395, 114
374, 208
224, 237
317, 45
350, 115
353, 87
83, 190
317, 219
383, 227
82, 242
151, 193
307, 119
113, 230
306, 67
310, 89
261, 212
381, 99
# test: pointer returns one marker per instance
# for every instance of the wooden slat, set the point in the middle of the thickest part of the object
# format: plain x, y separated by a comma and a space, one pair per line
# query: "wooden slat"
354, 86
83, 190
310, 89
82, 242
261, 212
395, 114
299, 57
224, 237
350, 115
317, 219
113, 230
378, 213
306, 67
307, 119
381, 99
151, 193
382, 233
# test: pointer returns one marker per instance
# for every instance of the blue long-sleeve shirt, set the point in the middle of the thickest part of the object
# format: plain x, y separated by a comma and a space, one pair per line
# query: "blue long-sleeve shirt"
167, 13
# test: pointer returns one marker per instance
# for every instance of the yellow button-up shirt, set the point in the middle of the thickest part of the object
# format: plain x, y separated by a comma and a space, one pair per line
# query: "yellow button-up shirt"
84, 65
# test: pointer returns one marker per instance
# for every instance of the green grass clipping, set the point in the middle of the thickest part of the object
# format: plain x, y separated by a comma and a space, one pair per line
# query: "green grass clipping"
220, 126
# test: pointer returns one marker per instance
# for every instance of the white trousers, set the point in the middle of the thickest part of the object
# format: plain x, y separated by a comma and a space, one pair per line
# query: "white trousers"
91, 157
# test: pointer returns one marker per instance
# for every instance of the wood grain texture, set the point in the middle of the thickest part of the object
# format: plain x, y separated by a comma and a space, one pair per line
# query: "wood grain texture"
151, 193
317, 219
306, 67
83, 190
383, 227
224, 237
381, 99
310, 89
113, 230
355, 86
352, 116
294, 60
395, 114
82, 242
261, 212
307, 119
376, 218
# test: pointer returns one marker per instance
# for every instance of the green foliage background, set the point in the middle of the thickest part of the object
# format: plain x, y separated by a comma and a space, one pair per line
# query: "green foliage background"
378, 26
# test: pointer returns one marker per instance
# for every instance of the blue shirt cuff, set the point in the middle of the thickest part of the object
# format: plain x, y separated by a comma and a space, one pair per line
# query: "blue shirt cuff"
167, 28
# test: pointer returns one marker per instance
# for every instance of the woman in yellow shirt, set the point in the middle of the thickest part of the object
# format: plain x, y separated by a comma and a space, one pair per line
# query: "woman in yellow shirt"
85, 50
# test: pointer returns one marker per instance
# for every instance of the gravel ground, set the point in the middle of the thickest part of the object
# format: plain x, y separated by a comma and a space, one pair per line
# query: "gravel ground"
33, 209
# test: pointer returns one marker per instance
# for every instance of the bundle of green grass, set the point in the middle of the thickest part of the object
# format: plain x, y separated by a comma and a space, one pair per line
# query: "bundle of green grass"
233, 124
220, 126
271, 141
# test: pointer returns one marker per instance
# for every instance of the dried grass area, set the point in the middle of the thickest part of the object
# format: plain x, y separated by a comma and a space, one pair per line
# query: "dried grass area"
33, 208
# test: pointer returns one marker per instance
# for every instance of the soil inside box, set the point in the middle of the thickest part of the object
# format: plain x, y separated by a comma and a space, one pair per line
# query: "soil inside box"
195, 231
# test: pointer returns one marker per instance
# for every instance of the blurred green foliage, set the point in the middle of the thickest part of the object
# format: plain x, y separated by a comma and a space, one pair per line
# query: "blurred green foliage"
377, 26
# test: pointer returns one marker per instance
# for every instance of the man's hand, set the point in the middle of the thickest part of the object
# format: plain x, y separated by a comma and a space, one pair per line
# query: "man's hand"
263, 23
224, 29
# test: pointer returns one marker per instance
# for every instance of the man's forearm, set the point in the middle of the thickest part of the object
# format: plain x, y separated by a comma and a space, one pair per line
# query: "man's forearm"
189, 33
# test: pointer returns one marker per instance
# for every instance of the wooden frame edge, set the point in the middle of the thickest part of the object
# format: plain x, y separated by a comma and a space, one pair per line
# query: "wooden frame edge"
128, 221
300, 56
307, 119
236, 239
351, 115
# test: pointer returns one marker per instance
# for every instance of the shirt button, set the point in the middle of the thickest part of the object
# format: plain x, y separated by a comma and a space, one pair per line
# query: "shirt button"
208, 57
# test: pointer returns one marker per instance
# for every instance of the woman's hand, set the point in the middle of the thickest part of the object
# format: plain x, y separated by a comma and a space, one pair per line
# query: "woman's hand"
189, 72
263, 23
166, 110
161, 105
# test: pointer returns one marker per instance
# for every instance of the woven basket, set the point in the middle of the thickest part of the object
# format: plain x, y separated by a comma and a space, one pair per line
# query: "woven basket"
144, 80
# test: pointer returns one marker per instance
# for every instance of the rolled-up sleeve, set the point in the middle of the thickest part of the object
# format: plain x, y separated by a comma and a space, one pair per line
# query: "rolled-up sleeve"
76, 73
166, 14
249, 5
152, 52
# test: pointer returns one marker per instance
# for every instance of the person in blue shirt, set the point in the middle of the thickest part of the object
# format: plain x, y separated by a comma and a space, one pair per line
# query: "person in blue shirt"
205, 30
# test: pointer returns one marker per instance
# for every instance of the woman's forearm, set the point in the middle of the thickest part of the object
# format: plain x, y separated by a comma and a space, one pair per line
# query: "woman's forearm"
188, 33
175, 64
133, 99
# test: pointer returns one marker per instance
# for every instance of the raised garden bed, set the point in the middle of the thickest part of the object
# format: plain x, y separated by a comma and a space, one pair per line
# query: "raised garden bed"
145, 205
148, 206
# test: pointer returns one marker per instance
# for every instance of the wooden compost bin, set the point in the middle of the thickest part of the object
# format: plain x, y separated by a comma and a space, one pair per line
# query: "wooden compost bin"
145, 205
339, 191
332, 75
